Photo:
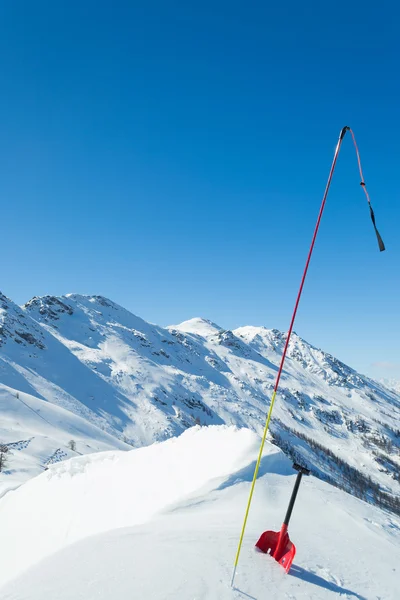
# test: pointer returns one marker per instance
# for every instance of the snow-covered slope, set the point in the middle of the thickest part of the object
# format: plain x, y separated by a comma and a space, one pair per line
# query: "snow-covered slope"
392, 384
36, 434
96, 493
34, 361
143, 383
163, 522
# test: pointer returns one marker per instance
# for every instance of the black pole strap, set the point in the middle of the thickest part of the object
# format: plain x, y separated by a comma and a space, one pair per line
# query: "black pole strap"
364, 187
378, 237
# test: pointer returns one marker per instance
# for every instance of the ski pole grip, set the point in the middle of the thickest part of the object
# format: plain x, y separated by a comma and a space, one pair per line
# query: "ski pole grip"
343, 132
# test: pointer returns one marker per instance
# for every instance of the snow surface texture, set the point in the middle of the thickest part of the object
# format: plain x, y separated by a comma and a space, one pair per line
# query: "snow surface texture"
37, 433
392, 384
142, 383
163, 523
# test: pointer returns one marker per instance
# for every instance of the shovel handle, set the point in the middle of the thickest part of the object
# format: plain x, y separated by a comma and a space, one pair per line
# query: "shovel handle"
301, 471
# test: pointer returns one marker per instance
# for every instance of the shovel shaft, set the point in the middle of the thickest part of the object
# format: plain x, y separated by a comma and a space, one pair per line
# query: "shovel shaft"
293, 498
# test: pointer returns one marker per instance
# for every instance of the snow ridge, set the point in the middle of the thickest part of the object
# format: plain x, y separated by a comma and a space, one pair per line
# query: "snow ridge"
142, 383
163, 522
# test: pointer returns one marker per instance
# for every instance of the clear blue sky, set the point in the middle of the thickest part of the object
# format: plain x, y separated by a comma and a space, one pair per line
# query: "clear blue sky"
172, 156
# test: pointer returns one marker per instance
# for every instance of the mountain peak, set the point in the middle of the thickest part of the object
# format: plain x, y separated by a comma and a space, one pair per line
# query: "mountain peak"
93, 299
146, 383
198, 326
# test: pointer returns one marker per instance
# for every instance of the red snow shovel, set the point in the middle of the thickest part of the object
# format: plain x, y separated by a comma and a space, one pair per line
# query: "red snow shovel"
277, 543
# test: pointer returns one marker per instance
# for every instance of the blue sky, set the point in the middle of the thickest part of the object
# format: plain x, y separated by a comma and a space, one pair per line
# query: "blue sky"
172, 156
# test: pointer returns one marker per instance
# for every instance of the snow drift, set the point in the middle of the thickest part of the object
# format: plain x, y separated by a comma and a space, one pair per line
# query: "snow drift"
173, 512
99, 492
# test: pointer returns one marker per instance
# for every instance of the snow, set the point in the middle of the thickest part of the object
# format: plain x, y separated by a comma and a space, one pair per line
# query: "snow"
86, 495
163, 522
392, 384
141, 383
198, 326
37, 432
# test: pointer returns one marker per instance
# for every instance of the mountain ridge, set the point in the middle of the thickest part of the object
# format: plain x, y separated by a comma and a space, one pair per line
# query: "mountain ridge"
143, 383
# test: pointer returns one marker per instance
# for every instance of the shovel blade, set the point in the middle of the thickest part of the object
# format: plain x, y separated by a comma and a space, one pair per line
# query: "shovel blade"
268, 542
278, 545
286, 557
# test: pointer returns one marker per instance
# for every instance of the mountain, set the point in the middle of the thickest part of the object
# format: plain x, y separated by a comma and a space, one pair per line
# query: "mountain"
163, 522
142, 383
392, 384
35, 434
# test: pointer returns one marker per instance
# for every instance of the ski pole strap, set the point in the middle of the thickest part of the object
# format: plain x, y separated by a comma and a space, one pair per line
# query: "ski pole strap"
378, 237
364, 187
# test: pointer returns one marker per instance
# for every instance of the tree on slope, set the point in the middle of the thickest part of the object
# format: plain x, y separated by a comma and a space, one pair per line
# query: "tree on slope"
3, 457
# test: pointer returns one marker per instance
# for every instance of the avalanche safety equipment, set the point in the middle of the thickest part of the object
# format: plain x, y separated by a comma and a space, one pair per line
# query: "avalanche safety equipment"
278, 543
278, 377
